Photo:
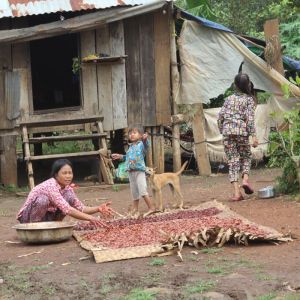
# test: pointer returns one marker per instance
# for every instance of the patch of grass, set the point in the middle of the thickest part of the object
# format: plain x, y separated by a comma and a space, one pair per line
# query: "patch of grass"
38, 268
11, 188
140, 294
264, 277
248, 264
291, 297
193, 258
194, 270
200, 287
67, 147
211, 250
105, 289
151, 279
266, 297
215, 270
49, 290
18, 282
83, 284
157, 262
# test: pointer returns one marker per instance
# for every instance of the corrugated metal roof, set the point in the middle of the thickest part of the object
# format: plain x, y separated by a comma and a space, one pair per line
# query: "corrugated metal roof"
20, 8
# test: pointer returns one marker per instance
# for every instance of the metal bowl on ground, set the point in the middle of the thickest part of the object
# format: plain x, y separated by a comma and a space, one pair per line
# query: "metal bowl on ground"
44, 232
267, 192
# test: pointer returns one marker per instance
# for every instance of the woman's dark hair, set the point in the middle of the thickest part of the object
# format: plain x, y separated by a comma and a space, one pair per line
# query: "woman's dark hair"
58, 164
243, 83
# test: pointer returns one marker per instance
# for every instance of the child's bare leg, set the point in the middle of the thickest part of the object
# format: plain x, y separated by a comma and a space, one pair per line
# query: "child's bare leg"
136, 206
151, 207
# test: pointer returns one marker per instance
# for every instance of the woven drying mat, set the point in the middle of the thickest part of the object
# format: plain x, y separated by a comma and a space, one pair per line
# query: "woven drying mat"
209, 224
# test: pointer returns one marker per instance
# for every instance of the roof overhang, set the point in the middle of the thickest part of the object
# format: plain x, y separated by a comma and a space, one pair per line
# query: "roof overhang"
76, 24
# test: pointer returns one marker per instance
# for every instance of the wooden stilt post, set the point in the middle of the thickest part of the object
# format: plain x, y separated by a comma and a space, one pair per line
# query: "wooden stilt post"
161, 150
8, 160
27, 157
200, 145
155, 148
273, 45
174, 87
149, 154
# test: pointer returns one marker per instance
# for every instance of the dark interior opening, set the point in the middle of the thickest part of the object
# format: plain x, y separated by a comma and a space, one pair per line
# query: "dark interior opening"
54, 85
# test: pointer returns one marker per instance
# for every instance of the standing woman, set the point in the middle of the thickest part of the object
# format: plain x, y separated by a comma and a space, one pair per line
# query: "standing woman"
236, 124
54, 198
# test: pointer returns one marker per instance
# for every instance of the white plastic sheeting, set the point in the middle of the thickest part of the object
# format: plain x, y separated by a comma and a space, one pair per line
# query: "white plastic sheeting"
210, 59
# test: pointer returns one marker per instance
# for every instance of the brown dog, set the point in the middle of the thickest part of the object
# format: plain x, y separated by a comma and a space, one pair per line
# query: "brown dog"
158, 181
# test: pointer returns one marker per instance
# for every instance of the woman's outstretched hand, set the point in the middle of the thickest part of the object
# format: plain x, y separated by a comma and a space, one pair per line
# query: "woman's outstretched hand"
98, 223
105, 210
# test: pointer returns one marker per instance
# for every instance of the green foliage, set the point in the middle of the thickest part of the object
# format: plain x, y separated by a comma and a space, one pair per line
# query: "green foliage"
11, 188
288, 182
249, 16
76, 65
267, 297
67, 147
200, 287
290, 37
263, 97
140, 294
200, 8
276, 152
284, 151
157, 262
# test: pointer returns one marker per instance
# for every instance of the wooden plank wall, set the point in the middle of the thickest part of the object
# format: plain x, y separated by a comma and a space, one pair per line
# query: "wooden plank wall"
104, 79
147, 69
147, 45
133, 79
89, 90
104, 85
5, 65
8, 161
118, 76
162, 67
111, 78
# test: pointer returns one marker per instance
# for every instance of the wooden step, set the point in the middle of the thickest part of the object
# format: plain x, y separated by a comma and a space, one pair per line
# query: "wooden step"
44, 139
58, 122
62, 155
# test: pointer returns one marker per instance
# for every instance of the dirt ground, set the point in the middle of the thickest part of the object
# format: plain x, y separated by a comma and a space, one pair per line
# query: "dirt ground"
260, 271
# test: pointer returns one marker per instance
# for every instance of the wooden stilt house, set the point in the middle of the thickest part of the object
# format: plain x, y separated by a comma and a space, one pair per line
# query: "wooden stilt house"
128, 83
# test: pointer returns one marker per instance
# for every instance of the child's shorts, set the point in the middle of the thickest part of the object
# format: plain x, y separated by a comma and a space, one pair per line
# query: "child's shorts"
138, 184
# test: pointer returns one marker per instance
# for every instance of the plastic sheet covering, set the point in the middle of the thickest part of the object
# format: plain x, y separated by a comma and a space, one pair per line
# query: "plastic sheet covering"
210, 59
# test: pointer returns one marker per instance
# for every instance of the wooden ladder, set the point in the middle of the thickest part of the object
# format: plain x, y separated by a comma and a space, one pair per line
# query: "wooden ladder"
105, 164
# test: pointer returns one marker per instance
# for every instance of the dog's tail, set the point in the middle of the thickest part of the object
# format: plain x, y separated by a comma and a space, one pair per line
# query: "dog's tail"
182, 168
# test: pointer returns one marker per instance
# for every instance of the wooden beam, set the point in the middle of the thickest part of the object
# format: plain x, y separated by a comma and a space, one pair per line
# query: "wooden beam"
45, 139
200, 145
8, 160
149, 153
175, 127
271, 29
62, 155
27, 154
66, 121
76, 24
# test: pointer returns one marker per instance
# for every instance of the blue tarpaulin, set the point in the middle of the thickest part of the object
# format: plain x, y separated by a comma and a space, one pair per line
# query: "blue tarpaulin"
204, 22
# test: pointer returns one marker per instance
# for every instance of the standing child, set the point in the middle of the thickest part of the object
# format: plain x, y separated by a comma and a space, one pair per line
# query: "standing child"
135, 165
236, 124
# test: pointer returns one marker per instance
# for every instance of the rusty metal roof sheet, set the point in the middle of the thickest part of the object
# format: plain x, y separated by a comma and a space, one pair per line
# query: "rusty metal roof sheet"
20, 8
